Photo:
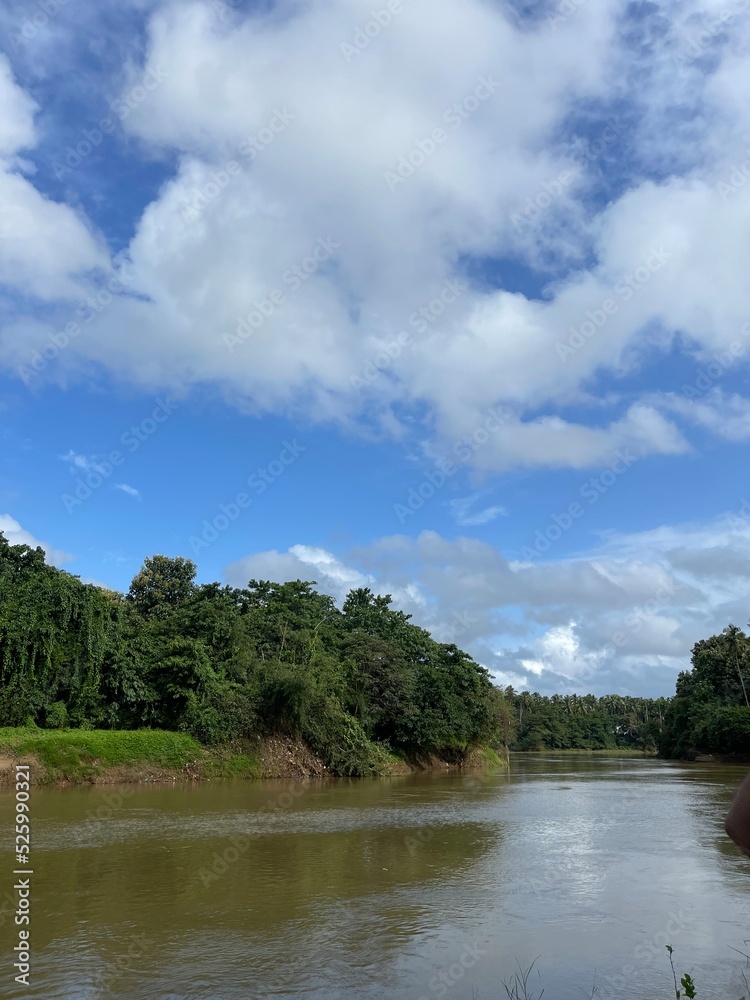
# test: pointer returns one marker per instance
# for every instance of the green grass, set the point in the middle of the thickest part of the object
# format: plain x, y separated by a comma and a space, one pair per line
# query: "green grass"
489, 757
81, 755
225, 764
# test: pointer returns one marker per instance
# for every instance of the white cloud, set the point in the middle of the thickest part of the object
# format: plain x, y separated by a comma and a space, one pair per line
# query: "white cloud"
667, 254
301, 562
305, 562
17, 120
84, 463
465, 517
16, 535
728, 416
620, 618
45, 246
130, 490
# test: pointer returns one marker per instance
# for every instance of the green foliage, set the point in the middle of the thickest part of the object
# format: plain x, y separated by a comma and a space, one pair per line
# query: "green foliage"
687, 984
55, 636
359, 684
574, 722
729, 729
219, 664
342, 743
161, 585
57, 716
710, 712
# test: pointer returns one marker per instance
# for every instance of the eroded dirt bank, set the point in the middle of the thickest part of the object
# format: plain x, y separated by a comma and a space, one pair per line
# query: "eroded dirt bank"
79, 760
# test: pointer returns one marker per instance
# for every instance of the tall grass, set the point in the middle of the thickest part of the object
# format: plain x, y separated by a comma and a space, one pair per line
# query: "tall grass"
81, 755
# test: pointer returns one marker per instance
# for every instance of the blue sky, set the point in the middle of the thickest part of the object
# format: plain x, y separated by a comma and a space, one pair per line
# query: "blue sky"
470, 329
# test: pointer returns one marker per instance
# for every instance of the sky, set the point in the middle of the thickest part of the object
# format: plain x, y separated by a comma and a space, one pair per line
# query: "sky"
446, 298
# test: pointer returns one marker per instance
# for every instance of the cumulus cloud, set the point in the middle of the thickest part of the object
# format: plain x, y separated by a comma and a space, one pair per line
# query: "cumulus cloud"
16, 535
728, 416
621, 618
46, 248
305, 562
283, 142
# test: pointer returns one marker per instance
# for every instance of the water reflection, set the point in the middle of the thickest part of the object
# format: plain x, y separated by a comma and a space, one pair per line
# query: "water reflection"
365, 889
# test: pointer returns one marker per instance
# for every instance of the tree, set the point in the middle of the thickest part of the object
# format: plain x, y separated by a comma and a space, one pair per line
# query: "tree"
707, 714
161, 585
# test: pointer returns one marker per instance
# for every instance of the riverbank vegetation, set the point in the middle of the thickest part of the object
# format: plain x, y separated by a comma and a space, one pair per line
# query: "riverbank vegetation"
584, 722
521, 986
361, 686
358, 685
82, 755
710, 713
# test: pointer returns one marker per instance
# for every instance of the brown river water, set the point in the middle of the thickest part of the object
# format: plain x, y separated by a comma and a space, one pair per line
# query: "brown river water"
425, 886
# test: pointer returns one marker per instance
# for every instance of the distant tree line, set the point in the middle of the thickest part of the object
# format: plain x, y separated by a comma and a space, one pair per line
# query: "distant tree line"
709, 714
584, 722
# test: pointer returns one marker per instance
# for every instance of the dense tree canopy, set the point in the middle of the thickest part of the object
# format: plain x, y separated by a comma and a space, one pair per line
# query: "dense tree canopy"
223, 663
710, 712
567, 722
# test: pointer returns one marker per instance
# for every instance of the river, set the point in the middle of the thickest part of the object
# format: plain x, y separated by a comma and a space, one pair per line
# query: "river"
424, 886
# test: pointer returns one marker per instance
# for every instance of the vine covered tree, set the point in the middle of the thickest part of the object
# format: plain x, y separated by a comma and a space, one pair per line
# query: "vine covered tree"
224, 663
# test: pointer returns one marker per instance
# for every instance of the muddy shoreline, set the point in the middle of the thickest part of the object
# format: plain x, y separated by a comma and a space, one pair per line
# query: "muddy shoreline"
271, 757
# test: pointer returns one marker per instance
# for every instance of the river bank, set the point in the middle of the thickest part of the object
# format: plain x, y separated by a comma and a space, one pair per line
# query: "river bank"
78, 756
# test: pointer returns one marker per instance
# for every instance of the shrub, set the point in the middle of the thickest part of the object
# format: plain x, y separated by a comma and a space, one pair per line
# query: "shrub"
57, 716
